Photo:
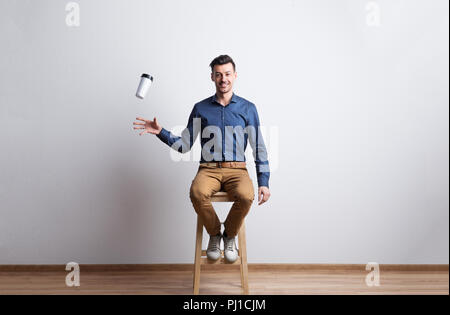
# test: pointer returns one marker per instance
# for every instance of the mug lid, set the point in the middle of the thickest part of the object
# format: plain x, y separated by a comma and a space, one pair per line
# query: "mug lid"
145, 75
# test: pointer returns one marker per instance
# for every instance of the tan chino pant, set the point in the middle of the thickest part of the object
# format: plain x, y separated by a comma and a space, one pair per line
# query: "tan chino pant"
235, 181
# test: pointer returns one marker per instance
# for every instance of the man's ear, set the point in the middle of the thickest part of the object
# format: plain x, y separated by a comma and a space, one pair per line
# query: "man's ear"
212, 78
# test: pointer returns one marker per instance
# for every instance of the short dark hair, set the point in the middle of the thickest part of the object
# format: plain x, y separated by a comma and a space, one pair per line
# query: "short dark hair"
222, 60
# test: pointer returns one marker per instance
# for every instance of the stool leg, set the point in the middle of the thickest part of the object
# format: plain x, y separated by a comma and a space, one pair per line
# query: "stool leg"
243, 254
198, 254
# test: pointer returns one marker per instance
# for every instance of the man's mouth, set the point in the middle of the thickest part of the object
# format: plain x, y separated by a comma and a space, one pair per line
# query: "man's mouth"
223, 85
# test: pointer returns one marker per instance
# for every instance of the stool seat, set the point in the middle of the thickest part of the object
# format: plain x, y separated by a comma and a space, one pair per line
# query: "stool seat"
200, 255
221, 196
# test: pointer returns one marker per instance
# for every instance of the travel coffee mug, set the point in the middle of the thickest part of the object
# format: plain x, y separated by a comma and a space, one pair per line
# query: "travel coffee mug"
144, 84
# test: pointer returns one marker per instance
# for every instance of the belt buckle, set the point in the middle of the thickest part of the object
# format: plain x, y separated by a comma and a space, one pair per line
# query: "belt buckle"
219, 164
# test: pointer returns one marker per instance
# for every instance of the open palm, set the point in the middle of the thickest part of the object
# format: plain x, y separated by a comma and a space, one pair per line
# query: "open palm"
149, 126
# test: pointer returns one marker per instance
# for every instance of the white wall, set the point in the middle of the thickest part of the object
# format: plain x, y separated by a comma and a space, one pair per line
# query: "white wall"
361, 111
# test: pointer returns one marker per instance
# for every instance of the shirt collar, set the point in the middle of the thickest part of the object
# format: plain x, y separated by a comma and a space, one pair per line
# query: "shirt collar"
233, 98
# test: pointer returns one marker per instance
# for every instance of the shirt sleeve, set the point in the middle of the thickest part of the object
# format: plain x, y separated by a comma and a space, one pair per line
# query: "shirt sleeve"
258, 146
188, 136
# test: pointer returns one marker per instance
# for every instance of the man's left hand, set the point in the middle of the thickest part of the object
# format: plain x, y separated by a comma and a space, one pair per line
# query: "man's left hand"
263, 194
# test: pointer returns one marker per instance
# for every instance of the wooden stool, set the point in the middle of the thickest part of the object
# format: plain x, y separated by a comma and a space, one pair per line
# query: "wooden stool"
200, 255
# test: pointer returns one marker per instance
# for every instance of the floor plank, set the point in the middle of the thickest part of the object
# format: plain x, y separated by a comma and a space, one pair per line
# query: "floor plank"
214, 282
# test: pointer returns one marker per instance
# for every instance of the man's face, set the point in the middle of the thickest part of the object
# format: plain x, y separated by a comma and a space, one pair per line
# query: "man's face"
224, 76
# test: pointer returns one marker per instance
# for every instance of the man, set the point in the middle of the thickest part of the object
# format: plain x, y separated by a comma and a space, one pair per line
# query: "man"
225, 121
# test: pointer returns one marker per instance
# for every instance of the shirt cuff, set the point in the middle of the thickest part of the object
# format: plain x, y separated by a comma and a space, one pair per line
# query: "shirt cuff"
164, 135
263, 181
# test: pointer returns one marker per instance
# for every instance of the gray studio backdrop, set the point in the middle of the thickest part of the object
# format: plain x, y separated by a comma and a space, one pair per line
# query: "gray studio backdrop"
353, 94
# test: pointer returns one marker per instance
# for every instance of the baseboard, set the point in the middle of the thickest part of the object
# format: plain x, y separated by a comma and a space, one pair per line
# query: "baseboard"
251, 267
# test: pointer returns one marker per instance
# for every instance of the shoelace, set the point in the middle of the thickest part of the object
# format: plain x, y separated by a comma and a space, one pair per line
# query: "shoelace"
214, 243
229, 243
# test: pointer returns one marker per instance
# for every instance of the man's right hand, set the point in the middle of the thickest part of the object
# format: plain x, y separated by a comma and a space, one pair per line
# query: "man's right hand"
150, 126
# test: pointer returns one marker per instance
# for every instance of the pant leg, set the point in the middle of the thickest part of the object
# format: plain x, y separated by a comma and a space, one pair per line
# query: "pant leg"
237, 183
206, 183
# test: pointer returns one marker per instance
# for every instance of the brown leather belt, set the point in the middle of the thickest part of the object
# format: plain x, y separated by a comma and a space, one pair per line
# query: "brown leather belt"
224, 164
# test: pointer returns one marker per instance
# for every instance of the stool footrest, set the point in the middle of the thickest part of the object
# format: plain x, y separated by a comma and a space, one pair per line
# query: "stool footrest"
220, 261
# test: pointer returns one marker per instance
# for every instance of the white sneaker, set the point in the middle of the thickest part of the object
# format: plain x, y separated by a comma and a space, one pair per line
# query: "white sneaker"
213, 251
230, 251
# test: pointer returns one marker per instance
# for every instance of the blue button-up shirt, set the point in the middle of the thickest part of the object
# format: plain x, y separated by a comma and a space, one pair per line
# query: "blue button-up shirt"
238, 122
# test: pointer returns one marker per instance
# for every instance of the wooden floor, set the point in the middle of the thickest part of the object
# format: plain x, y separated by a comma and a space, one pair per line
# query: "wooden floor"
264, 281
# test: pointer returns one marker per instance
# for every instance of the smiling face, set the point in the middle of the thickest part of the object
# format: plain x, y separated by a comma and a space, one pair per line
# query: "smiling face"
224, 76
